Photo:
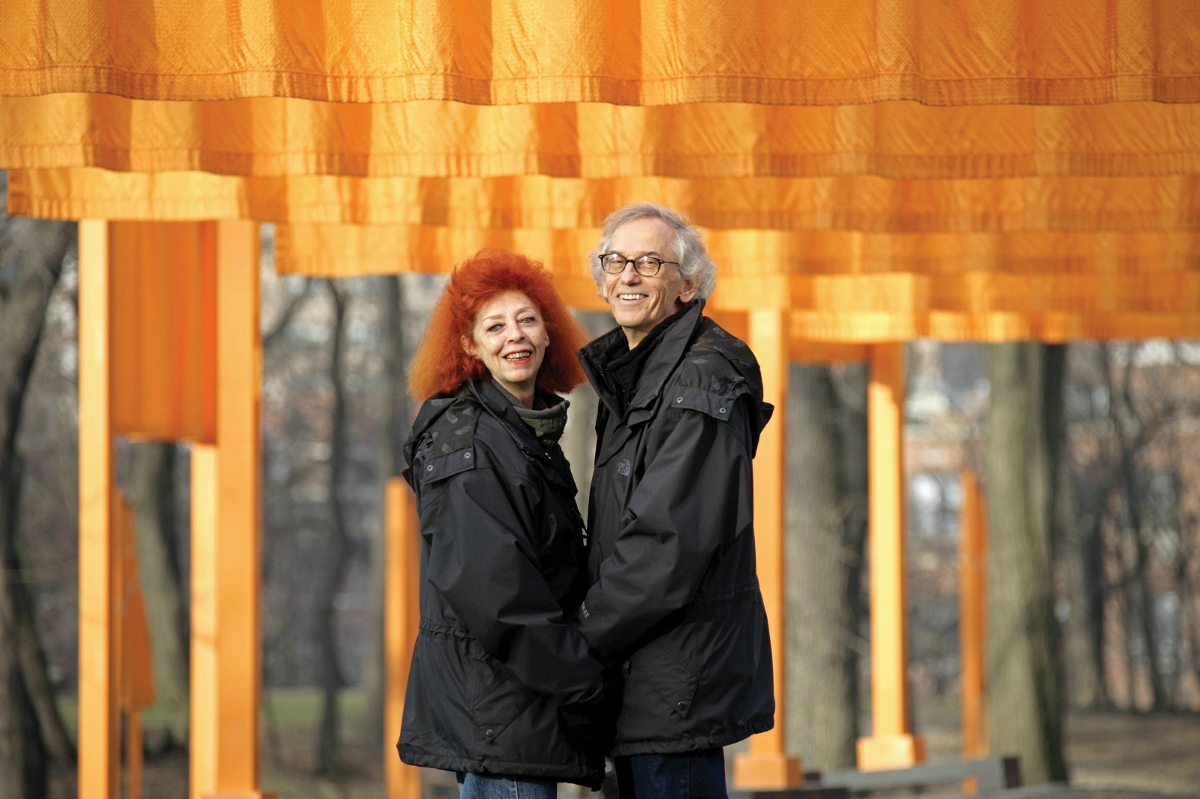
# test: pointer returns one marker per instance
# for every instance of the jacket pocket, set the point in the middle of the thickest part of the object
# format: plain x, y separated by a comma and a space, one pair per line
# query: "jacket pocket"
438, 692
659, 667
500, 698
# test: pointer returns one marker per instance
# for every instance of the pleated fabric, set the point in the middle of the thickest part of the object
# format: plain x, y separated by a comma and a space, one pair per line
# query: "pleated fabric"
847, 287
882, 168
629, 52
275, 136
344, 250
864, 203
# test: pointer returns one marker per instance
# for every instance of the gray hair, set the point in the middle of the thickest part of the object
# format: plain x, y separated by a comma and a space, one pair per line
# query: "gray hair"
696, 266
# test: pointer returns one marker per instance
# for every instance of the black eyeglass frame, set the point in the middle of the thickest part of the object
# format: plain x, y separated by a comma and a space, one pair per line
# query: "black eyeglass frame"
638, 263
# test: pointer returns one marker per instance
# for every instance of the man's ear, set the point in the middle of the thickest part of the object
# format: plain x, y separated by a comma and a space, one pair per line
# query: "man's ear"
689, 291
468, 345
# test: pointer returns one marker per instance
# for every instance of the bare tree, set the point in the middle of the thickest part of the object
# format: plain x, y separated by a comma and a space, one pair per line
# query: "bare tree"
338, 548
1024, 674
31, 258
395, 418
1132, 546
826, 499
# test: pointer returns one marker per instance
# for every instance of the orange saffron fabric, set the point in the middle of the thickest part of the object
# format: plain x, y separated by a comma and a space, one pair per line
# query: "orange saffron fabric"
276, 136
629, 52
864, 203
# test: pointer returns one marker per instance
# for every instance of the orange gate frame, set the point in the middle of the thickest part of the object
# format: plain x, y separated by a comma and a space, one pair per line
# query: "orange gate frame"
221, 340
142, 390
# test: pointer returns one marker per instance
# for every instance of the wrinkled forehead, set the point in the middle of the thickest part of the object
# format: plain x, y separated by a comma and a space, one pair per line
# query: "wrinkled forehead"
642, 236
504, 304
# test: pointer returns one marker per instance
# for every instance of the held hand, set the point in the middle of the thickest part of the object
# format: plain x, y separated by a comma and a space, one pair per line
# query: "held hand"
592, 721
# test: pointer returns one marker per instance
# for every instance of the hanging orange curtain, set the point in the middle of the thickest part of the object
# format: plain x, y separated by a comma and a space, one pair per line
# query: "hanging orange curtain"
274, 136
949, 286
346, 250
634, 52
864, 203
164, 298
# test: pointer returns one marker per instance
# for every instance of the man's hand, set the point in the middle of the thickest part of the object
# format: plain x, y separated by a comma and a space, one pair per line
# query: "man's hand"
592, 721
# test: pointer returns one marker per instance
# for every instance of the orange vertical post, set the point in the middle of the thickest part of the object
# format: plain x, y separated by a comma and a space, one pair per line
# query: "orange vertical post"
202, 754
133, 749
401, 617
891, 743
99, 748
226, 535
124, 583
767, 765
972, 609
136, 666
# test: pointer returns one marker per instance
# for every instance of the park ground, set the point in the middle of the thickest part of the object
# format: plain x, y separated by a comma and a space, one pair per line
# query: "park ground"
1144, 753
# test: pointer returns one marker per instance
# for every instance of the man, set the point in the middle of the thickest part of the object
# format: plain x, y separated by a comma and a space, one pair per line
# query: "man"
675, 601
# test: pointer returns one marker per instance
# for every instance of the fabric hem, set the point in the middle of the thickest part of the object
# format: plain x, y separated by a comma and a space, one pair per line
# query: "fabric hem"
499, 768
694, 744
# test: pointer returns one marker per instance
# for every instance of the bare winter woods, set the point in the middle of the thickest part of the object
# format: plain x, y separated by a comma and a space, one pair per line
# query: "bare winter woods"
1103, 565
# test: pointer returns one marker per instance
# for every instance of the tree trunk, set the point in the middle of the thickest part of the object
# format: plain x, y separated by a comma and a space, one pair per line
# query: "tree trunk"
1141, 599
1024, 674
1085, 685
30, 265
152, 494
855, 476
330, 581
392, 392
821, 630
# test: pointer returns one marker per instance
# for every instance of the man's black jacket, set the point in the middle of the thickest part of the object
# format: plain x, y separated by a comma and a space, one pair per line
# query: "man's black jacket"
675, 596
502, 565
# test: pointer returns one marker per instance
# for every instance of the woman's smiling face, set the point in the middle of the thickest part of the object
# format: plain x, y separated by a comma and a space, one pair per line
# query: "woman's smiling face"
510, 337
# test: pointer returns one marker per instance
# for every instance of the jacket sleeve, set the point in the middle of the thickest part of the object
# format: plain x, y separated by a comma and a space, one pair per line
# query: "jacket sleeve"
482, 562
694, 495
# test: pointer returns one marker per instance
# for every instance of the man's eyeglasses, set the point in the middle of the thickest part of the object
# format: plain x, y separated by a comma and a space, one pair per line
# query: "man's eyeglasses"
646, 266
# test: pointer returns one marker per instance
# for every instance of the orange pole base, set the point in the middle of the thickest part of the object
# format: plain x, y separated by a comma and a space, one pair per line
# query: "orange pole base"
766, 771
883, 752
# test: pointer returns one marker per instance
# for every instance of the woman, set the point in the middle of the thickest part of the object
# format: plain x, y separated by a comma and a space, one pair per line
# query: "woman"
502, 689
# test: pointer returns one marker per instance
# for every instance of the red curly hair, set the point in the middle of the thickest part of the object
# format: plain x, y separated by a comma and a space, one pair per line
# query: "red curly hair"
441, 365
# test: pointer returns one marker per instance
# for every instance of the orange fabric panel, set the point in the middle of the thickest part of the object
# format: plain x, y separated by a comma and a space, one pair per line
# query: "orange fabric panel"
868, 327
270, 136
976, 293
342, 250
1118, 297
647, 52
855, 202
346, 250
137, 662
761, 252
164, 330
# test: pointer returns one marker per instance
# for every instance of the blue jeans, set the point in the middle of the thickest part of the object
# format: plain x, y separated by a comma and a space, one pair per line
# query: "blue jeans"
486, 786
691, 775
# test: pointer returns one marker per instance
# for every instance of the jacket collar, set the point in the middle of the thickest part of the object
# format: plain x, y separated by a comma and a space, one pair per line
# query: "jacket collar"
498, 403
668, 351
482, 393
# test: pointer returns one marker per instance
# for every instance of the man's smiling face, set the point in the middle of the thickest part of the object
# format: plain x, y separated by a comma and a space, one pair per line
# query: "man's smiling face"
639, 303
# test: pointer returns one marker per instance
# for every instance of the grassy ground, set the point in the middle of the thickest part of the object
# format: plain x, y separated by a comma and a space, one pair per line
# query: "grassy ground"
1137, 752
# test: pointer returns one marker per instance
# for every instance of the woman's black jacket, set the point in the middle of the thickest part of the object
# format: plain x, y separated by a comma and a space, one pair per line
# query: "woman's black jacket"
502, 566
